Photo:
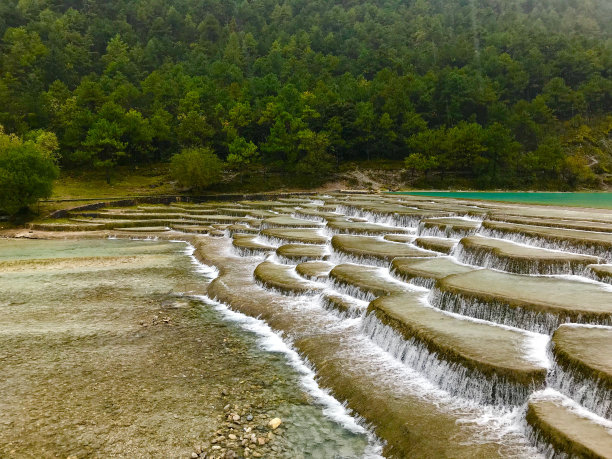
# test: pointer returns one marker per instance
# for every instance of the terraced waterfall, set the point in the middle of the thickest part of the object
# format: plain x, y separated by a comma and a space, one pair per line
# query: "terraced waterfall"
450, 328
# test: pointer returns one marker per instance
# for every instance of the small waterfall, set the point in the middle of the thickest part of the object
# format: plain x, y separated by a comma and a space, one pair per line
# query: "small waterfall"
351, 290
495, 311
447, 231
549, 243
590, 274
354, 311
488, 259
382, 218
313, 218
425, 282
454, 378
542, 444
594, 394
248, 252
286, 292
338, 257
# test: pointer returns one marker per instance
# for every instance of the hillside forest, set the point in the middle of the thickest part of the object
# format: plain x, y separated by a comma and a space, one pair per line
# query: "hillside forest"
480, 93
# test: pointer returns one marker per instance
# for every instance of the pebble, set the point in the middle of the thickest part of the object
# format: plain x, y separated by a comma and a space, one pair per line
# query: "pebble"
261, 441
194, 455
226, 407
232, 437
274, 423
236, 417
249, 417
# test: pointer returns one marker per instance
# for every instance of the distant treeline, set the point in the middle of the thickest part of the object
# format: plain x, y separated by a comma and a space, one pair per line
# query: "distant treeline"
486, 92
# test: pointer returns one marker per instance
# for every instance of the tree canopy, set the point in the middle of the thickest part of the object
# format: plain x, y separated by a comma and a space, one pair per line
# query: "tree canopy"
27, 169
495, 93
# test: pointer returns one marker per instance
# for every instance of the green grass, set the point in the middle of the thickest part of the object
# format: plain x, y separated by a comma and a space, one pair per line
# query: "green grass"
145, 181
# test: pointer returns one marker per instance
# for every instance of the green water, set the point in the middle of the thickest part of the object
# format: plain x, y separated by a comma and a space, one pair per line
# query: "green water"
598, 200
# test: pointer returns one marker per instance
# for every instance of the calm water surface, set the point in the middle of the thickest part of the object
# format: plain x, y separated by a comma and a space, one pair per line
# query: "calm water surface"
598, 200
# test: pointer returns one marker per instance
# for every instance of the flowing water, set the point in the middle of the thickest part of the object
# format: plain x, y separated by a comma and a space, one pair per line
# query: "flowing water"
459, 386
65, 302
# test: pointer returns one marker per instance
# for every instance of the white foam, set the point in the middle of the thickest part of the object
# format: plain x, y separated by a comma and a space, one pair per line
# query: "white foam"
272, 341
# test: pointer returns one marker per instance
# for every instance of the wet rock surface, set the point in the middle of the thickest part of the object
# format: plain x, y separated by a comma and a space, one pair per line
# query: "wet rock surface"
435, 342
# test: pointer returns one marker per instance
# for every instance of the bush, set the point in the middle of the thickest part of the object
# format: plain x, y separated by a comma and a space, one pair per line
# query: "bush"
27, 172
196, 168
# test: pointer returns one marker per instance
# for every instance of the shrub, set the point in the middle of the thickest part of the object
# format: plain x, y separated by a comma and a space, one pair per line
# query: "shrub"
27, 172
196, 168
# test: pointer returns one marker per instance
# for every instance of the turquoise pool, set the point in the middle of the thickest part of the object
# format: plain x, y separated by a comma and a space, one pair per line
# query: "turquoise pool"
600, 200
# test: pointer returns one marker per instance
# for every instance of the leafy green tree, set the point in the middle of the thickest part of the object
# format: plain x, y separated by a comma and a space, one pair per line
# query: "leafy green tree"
27, 170
316, 164
103, 147
419, 163
242, 155
196, 168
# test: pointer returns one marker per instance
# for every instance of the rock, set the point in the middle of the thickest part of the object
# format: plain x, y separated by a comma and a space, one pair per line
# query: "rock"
236, 417
256, 454
249, 417
274, 423
261, 441
226, 407
270, 435
232, 437
230, 454
224, 393
216, 447
194, 455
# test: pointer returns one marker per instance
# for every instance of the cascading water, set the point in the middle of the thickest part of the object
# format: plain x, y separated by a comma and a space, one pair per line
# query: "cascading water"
488, 259
495, 311
451, 377
549, 243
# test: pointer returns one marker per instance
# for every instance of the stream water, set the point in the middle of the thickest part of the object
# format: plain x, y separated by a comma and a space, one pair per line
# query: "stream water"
451, 377
80, 291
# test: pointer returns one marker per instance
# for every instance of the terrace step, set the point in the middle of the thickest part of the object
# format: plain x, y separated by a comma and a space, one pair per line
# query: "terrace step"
497, 360
289, 222
345, 226
437, 244
570, 431
448, 227
535, 303
372, 248
516, 258
305, 235
284, 279
249, 245
555, 223
302, 252
344, 305
366, 282
588, 242
314, 270
583, 355
602, 273
426, 271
